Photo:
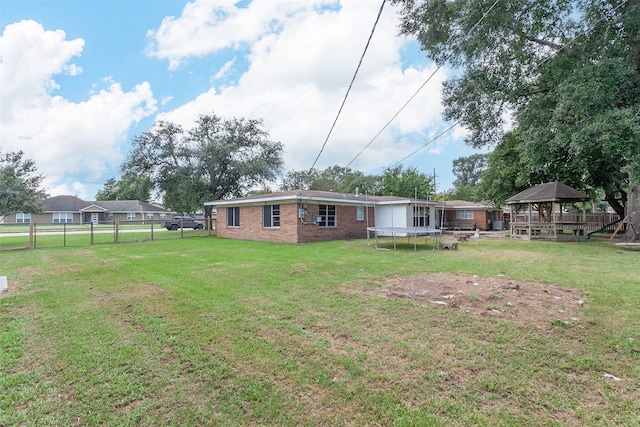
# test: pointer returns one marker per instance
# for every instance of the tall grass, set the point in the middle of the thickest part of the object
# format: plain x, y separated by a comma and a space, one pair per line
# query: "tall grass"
210, 331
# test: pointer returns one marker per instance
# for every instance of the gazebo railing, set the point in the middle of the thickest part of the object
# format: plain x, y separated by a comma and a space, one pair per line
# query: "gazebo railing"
593, 221
543, 230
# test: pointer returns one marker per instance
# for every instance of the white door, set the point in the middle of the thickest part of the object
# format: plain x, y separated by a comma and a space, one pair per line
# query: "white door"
94, 218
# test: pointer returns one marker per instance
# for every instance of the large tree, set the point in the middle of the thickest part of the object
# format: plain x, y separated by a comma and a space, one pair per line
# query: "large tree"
216, 159
409, 182
20, 185
468, 172
333, 178
128, 187
566, 72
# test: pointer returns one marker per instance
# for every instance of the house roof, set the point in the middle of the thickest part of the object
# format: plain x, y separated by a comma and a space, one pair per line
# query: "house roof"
549, 192
302, 196
65, 204
128, 206
295, 196
74, 204
464, 204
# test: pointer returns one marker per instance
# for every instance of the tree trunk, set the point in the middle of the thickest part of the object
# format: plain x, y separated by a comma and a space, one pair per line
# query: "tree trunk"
616, 205
633, 202
633, 216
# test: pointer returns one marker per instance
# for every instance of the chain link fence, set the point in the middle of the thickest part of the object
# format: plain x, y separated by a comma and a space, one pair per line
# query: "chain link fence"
47, 235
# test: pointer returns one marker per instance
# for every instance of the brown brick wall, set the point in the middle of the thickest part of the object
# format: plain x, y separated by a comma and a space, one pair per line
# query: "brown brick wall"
479, 220
291, 229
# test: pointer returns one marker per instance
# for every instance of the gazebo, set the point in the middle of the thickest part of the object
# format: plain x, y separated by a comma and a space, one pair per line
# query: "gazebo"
538, 213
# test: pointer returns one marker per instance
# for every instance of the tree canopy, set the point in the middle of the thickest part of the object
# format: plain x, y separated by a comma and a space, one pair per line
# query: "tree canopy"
409, 182
468, 172
564, 75
128, 187
333, 178
20, 185
218, 158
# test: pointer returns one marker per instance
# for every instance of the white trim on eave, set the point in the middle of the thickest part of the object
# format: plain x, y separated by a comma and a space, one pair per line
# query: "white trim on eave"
292, 198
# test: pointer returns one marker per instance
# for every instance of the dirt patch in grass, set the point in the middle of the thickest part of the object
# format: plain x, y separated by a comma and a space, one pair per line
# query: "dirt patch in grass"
540, 304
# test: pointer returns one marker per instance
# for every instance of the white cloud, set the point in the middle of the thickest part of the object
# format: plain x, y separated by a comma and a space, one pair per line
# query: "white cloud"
300, 65
224, 69
74, 189
63, 137
207, 26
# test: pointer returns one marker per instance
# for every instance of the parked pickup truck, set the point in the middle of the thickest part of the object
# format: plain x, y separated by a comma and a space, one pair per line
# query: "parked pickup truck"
185, 222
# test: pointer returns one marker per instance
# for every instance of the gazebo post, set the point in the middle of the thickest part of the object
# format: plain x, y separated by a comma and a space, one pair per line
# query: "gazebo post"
529, 231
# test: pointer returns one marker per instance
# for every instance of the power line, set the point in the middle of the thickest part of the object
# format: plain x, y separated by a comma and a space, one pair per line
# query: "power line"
420, 88
538, 65
351, 84
425, 144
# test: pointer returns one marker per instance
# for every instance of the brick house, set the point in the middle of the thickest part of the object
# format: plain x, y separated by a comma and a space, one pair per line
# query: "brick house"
303, 216
463, 215
294, 216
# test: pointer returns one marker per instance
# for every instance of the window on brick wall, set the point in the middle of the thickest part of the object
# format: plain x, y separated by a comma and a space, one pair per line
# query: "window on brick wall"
360, 213
233, 217
465, 214
271, 216
328, 216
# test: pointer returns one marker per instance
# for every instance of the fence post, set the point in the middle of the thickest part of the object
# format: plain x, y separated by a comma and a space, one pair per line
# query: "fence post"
152, 231
32, 229
116, 230
64, 234
91, 232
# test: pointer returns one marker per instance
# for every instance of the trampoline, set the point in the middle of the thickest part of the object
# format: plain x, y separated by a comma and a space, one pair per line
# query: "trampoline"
407, 232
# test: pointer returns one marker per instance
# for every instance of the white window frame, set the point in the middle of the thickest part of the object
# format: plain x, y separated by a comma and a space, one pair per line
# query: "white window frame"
150, 215
62, 217
359, 213
23, 218
131, 216
464, 214
163, 216
329, 215
420, 216
233, 216
271, 216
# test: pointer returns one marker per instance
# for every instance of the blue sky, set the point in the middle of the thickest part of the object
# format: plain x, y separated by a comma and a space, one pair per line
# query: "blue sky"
79, 79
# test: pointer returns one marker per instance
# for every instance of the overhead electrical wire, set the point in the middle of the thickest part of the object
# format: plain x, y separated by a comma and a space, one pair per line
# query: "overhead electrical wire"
569, 43
416, 93
350, 85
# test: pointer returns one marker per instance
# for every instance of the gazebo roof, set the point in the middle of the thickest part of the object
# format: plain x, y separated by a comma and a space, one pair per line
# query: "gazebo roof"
550, 192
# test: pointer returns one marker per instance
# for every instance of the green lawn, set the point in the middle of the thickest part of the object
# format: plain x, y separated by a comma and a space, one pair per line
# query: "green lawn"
209, 331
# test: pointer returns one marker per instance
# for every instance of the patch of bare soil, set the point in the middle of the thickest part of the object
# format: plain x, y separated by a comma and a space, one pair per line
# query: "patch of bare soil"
527, 302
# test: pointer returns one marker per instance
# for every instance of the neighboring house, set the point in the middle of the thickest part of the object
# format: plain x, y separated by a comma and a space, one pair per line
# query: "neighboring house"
72, 210
303, 216
463, 215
